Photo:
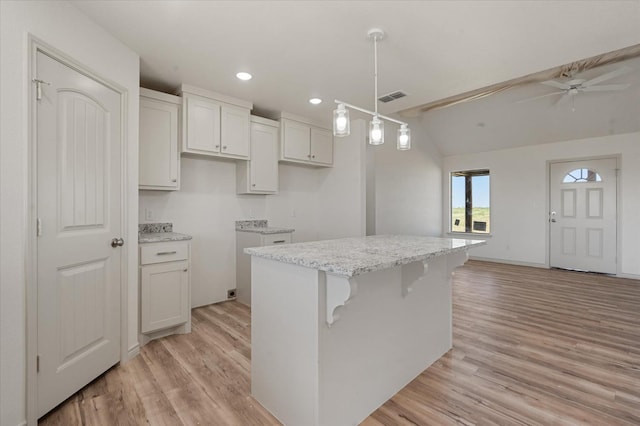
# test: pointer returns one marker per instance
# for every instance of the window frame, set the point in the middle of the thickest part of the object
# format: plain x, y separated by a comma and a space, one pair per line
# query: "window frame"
468, 174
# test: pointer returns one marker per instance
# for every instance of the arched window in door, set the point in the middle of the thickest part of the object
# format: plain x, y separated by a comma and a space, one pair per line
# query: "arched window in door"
581, 176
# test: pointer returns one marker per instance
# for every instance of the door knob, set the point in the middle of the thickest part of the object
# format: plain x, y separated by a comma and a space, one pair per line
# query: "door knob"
553, 220
117, 242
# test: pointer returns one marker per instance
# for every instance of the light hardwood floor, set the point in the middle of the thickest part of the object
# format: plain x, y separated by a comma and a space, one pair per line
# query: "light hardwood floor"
531, 347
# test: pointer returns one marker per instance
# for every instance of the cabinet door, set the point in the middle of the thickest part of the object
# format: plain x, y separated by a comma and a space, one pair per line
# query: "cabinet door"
296, 140
159, 161
263, 167
321, 146
203, 126
164, 295
235, 131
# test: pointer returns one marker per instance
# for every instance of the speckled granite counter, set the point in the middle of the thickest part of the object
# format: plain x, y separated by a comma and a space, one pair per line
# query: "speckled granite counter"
349, 257
159, 232
260, 226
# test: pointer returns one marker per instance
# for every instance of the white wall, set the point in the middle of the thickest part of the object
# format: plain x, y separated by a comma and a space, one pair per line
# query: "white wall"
319, 203
62, 26
342, 189
519, 196
408, 185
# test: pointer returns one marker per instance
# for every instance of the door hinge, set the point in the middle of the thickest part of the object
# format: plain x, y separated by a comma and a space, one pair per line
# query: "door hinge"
38, 227
39, 84
37, 363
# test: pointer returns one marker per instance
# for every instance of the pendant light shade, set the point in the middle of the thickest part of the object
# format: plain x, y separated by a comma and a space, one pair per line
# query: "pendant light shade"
376, 131
341, 123
404, 138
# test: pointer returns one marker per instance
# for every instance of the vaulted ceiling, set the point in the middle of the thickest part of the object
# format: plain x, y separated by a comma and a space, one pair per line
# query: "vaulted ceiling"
433, 50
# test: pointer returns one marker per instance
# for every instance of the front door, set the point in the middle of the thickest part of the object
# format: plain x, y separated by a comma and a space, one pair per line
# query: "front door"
582, 215
79, 213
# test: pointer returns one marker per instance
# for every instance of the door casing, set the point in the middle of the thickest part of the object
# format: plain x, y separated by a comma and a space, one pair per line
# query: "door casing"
619, 226
31, 258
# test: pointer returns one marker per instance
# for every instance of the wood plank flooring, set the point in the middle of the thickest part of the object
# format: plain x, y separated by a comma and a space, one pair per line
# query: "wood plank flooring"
531, 347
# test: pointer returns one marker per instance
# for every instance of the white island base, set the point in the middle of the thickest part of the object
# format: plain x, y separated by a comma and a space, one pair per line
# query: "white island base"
316, 362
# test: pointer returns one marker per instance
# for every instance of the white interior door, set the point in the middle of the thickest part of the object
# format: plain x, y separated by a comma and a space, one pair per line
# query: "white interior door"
79, 208
583, 215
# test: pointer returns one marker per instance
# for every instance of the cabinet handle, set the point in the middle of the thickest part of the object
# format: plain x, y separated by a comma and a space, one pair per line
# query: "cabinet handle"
224, 147
164, 253
217, 146
313, 156
279, 242
253, 184
309, 156
174, 180
185, 269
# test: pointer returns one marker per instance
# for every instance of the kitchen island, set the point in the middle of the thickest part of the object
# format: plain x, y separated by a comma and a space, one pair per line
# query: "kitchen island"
340, 326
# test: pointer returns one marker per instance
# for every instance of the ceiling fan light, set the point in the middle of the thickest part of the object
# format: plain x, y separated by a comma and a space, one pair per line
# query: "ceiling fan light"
376, 131
341, 124
404, 138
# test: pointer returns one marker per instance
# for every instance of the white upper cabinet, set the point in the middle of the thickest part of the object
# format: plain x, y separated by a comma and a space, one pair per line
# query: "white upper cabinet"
215, 124
235, 131
305, 143
159, 133
202, 118
260, 174
296, 141
321, 146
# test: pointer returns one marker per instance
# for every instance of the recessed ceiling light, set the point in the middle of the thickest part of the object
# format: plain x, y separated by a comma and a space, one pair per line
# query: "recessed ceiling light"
244, 76
315, 101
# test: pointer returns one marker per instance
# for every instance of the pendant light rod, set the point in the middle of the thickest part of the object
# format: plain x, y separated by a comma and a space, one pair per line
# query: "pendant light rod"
375, 34
366, 111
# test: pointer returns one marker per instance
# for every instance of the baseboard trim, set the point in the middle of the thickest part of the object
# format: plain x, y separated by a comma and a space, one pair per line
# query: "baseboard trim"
540, 265
629, 276
133, 352
509, 262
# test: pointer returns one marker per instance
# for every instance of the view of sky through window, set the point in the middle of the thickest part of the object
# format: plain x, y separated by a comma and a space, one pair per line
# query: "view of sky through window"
480, 191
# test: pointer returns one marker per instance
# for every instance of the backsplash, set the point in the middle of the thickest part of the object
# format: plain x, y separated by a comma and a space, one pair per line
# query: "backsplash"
146, 228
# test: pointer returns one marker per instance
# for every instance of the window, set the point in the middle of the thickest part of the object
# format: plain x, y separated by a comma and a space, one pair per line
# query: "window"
470, 201
581, 176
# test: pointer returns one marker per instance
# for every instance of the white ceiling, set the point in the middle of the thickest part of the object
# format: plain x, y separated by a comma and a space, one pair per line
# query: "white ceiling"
302, 49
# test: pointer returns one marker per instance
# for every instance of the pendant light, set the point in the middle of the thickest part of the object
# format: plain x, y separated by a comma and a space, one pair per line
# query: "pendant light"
341, 124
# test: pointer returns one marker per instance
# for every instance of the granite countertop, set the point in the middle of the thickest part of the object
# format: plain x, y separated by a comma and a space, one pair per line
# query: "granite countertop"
159, 232
349, 257
260, 226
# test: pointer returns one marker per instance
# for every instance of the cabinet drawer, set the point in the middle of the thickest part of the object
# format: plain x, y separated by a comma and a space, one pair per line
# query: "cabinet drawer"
273, 239
164, 252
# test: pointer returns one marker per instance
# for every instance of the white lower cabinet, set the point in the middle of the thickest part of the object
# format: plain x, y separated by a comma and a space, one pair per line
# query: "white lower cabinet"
165, 306
243, 261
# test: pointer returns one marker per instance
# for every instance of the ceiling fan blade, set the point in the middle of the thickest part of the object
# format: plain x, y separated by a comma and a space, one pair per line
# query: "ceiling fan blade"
608, 76
556, 84
538, 97
566, 97
606, 88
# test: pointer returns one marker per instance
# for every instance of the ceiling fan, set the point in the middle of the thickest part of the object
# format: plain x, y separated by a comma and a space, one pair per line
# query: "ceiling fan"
578, 85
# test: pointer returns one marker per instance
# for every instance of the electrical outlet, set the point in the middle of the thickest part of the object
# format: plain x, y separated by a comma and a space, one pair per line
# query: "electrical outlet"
148, 214
231, 294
